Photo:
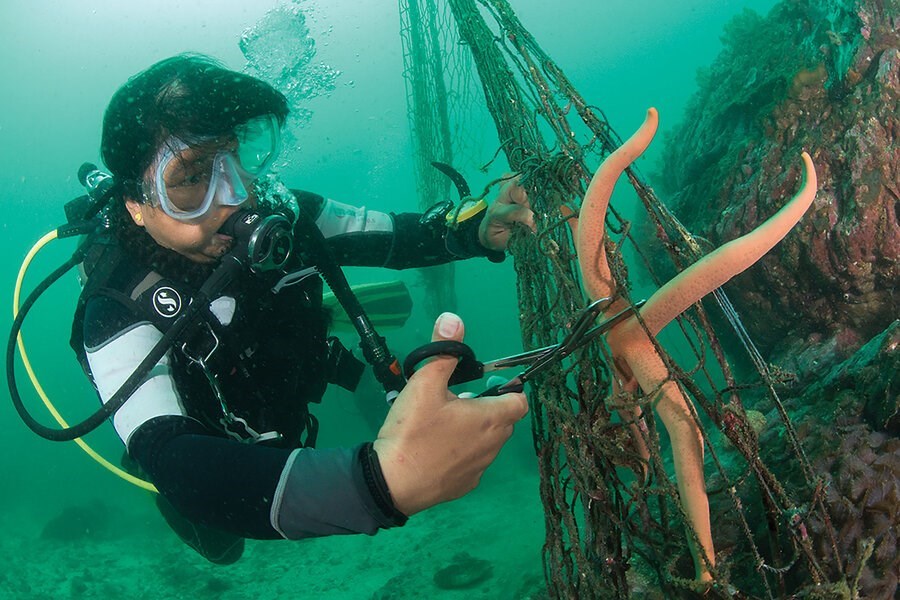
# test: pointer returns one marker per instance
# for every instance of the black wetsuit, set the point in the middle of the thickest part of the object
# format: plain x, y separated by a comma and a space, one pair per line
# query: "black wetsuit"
270, 364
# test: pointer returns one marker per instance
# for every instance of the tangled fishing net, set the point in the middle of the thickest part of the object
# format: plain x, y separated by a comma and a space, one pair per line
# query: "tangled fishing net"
615, 525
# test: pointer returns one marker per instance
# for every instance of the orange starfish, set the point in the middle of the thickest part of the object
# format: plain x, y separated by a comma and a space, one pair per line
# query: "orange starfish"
636, 361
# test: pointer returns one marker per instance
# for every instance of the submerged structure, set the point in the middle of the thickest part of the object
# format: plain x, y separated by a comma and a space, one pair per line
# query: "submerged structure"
792, 516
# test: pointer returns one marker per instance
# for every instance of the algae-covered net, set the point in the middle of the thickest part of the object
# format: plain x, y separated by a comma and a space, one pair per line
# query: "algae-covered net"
423, 32
615, 522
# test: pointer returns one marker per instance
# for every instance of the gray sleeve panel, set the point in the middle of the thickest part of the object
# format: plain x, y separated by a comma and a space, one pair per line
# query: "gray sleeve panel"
323, 492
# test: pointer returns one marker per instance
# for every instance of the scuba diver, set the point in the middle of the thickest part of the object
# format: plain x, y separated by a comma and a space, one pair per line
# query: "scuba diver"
220, 424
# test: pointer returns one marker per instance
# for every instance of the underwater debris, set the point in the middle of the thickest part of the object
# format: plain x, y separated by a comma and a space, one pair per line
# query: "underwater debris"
463, 572
606, 523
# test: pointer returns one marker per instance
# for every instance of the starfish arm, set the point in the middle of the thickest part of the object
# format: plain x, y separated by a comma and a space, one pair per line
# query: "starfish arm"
572, 220
674, 411
630, 342
717, 267
598, 281
589, 232
625, 384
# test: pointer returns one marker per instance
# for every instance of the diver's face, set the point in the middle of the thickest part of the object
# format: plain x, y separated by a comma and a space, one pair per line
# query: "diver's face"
197, 239
189, 192
190, 189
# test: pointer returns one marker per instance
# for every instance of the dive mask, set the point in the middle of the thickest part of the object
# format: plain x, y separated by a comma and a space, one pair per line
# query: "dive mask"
187, 178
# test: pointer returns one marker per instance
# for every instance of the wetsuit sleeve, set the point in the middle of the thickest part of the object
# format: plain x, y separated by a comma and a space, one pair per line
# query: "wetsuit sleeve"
249, 490
362, 237
260, 492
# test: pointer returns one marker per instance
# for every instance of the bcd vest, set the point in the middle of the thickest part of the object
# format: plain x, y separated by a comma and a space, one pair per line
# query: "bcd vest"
267, 351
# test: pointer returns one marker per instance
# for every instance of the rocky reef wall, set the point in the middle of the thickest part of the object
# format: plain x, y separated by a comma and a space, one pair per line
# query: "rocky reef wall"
821, 76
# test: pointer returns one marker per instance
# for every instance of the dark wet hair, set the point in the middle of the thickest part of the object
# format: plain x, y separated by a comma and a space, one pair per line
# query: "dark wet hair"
188, 96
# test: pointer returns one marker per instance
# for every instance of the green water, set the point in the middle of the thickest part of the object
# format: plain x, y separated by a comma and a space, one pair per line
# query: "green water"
61, 61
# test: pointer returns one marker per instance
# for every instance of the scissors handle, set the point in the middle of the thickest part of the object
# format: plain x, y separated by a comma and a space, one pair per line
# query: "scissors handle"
468, 369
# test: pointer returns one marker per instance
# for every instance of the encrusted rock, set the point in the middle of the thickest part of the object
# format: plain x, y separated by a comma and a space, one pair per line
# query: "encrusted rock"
820, 76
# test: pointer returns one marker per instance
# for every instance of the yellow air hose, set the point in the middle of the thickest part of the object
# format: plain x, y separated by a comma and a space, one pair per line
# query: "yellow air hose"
37, 386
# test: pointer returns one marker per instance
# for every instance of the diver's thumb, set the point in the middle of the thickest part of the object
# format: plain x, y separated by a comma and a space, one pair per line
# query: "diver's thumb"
448, 326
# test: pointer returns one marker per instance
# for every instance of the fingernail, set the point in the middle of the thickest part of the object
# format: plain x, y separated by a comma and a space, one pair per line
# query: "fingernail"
448, 324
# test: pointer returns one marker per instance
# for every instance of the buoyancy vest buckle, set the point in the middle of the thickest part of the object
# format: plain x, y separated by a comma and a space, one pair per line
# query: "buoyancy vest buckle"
238, 429
234, 426
200, 358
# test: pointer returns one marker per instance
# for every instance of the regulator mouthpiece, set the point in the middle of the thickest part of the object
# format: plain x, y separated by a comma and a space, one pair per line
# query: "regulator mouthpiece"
265, 242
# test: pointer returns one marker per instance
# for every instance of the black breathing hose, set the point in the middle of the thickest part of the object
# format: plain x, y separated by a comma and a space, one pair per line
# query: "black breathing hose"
260, 245
223, 274
385, 365
230, 266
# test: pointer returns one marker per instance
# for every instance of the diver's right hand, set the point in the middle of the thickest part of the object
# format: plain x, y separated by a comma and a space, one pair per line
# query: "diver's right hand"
434, 446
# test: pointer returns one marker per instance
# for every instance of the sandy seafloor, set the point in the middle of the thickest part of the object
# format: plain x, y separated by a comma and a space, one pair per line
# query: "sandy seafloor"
139, 557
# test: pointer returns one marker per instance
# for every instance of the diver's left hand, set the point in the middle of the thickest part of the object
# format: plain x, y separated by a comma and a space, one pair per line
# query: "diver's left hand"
511, 208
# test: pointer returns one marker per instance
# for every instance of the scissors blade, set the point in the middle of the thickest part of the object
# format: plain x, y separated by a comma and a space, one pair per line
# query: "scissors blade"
568, 346
516, 360
607, 324
537, 357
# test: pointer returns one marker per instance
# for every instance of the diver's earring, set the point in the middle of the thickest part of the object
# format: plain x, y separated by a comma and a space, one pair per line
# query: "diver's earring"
138, 218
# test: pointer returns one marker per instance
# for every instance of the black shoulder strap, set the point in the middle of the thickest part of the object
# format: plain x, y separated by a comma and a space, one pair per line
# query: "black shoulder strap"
101, 260
106, 271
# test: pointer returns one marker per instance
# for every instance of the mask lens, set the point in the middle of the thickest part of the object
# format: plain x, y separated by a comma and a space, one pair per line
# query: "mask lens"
188, 176
258, 143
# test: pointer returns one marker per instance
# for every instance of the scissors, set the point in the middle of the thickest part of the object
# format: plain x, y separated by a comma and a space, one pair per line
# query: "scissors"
470, 369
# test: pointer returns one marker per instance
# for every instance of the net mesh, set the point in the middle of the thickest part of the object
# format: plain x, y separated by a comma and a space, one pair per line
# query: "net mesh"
431, 110
615, 527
